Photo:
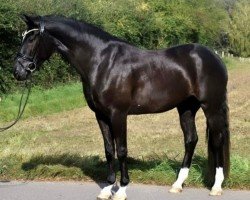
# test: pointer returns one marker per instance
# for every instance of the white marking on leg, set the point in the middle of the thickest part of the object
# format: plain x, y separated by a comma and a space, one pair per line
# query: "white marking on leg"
219, 178
182, 176
120, 194
105, 193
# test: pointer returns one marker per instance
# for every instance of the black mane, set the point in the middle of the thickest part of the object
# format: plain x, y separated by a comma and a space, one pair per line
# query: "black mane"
83, 27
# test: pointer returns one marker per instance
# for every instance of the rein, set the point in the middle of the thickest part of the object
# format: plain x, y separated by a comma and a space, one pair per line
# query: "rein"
21, 105
28, 83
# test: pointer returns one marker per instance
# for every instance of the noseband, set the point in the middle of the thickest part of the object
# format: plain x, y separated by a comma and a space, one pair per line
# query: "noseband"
32, 59
33, 62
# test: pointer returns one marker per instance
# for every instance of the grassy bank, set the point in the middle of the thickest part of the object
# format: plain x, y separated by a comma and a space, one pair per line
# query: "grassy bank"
161, 170
43, 102
59, 139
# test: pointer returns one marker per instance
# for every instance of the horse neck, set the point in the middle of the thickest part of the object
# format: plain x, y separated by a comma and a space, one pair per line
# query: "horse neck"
79, 49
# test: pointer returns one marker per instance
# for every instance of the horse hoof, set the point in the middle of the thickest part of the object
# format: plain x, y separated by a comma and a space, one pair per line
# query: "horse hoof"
175, 190
215, 192
104, 196
119, 197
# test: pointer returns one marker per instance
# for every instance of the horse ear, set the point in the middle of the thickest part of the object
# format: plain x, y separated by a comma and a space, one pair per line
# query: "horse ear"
31, 21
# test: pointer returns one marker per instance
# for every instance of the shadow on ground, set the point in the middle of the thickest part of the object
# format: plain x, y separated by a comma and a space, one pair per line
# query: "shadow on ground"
95, 168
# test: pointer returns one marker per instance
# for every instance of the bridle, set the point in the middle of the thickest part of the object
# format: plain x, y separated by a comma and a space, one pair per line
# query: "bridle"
32, 59
33, 62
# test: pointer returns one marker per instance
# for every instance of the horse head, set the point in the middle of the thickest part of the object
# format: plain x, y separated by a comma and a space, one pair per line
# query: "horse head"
36, 47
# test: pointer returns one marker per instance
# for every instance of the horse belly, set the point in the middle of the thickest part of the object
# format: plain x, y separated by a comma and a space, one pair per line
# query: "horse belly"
159, 96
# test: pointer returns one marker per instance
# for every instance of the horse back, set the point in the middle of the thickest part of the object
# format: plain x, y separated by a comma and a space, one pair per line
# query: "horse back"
140, 81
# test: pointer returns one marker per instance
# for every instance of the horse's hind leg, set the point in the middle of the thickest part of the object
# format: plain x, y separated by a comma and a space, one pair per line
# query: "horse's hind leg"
187, 111
218, 144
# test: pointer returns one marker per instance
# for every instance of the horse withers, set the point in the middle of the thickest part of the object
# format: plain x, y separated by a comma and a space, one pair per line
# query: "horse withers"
119, 79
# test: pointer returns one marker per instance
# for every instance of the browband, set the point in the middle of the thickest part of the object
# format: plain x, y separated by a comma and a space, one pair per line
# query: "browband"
29, 31
41, 30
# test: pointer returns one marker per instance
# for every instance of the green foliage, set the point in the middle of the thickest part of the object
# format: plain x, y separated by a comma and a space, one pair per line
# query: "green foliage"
182, 21
145, 23
159, 24
239, 28
8, 41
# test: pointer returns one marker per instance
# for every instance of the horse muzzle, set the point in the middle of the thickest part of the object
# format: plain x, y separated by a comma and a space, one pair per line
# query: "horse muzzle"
20, 73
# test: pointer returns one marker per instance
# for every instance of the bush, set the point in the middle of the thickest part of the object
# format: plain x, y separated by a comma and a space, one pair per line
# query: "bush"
145, 23
8, 47
239, 30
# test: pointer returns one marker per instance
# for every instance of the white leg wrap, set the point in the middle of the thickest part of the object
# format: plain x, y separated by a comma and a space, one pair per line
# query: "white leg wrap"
219, 177
182, 176
105, 193
120, 194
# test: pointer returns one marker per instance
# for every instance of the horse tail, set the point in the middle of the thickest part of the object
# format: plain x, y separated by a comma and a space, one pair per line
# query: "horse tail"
222, 125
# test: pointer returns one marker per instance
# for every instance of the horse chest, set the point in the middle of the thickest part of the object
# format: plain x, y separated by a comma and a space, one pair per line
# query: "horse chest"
93, 99
89, 96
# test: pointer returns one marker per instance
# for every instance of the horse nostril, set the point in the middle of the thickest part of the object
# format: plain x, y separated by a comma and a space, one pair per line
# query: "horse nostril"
16, 74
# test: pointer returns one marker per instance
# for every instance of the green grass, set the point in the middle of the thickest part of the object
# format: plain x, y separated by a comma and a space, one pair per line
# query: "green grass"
161, 171
234, 63
43, 102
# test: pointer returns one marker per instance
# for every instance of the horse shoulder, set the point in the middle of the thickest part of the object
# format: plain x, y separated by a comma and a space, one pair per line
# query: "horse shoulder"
111, 78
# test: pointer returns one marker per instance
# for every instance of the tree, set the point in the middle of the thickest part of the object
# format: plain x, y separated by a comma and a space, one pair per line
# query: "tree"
239, 29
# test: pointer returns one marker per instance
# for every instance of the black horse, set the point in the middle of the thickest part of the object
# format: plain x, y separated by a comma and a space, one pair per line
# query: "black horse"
119, 79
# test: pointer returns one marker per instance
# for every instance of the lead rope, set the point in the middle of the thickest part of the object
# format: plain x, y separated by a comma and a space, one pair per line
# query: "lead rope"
21, 105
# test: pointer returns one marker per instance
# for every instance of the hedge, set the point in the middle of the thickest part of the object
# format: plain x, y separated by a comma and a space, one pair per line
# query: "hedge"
151, 24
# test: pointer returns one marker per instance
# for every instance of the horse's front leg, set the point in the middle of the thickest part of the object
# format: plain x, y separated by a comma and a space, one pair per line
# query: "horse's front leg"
108, 138
119, 127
